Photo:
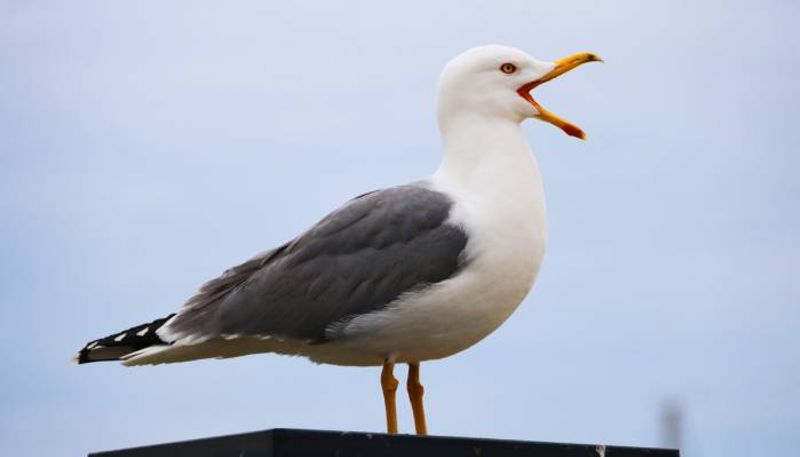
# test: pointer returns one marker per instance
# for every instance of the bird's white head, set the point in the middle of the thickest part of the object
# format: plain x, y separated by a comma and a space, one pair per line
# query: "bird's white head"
496, 82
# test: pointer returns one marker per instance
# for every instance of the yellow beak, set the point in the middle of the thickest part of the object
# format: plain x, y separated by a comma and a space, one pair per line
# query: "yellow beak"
561, 66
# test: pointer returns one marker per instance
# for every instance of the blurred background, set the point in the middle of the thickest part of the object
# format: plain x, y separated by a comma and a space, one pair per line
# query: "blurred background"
147, 146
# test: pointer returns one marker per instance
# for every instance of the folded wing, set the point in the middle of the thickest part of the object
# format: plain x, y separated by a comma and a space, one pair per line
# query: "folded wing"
355, 261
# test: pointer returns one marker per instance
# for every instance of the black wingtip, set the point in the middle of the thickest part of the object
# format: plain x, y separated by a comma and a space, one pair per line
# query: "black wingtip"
115, 346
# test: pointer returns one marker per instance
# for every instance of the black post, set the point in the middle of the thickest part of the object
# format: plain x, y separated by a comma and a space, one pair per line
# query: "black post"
315, 443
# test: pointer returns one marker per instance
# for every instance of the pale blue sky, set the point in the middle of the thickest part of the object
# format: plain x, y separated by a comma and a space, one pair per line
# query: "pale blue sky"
147, 146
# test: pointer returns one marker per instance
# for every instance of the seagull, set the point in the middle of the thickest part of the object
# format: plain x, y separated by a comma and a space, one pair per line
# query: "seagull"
401, 275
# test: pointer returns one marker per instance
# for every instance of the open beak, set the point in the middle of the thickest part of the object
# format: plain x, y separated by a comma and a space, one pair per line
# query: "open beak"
562, 66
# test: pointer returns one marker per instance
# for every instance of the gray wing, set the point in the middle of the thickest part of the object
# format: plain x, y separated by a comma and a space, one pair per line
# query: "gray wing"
356, 260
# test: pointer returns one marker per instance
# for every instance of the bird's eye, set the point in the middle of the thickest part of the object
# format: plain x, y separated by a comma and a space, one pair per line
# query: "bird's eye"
508, 68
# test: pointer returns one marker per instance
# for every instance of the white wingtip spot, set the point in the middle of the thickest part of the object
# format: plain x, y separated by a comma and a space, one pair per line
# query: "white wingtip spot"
143, 331
120, 337
91, 345
601, 450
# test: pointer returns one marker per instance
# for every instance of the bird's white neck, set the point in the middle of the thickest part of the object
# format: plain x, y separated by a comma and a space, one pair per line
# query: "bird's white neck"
487, 155
490, 170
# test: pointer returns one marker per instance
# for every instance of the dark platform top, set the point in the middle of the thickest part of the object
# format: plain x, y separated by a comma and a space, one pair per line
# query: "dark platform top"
315, 443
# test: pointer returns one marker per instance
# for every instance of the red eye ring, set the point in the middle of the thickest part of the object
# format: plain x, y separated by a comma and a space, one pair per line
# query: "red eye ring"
508, 68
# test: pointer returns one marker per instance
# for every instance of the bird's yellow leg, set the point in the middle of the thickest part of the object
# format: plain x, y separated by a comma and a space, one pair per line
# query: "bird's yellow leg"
389, 385
415, 393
